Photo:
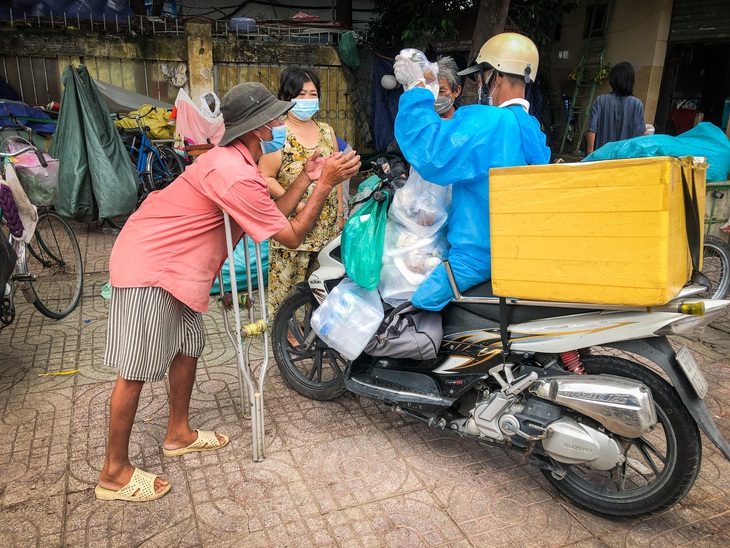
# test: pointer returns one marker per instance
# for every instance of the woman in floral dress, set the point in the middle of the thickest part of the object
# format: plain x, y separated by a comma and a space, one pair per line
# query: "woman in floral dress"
304, 136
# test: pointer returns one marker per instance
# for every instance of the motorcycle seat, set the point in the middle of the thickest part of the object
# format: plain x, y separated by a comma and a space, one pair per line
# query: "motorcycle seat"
464, 316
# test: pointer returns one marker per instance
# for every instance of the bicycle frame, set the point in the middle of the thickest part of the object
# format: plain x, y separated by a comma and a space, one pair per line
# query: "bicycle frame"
7, 303
143, 152
47, 250
20, 277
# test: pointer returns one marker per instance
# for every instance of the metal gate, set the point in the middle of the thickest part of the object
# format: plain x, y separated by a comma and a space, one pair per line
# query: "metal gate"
38, 79
334, 107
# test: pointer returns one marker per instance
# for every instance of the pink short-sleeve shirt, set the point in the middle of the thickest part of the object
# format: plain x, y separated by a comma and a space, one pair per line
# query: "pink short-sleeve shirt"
176, 239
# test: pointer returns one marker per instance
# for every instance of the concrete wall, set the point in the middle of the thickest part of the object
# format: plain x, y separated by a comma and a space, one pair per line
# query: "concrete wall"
638, 33
199, 58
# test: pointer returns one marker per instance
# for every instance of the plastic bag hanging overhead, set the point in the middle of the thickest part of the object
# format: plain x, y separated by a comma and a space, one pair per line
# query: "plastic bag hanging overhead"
348, 50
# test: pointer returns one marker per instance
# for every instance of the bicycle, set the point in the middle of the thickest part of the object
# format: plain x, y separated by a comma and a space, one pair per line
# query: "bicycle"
48, 268
157, 164
716, 253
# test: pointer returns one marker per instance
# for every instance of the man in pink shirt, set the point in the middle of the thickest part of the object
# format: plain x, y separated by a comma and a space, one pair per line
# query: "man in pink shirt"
164, 262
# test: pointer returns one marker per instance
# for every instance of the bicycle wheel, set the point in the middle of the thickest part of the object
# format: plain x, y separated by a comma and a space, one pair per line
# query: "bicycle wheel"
163, 167
54, 258
716, 266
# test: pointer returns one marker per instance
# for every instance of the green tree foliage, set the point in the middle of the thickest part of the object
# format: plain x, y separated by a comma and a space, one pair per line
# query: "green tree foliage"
414, 22
539, 19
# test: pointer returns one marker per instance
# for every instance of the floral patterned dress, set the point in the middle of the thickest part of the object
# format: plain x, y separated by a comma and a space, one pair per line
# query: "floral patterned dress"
288, 267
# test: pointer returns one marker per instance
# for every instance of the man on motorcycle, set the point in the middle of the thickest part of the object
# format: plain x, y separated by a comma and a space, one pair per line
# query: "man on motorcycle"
461, 151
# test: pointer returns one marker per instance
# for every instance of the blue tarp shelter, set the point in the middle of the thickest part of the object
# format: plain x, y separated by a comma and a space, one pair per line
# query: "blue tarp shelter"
32, 117
86, 9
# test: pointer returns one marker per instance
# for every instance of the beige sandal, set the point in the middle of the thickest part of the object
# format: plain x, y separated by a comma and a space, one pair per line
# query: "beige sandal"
207, 441
141, 488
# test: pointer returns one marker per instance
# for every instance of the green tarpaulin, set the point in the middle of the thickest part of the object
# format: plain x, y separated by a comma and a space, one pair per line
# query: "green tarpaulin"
96, 176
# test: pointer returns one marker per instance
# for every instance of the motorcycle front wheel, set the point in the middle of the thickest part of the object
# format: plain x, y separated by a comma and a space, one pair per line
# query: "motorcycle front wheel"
660, 467
315, 372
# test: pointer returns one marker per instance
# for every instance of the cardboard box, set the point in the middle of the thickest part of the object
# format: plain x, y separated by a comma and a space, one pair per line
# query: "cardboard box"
610, 232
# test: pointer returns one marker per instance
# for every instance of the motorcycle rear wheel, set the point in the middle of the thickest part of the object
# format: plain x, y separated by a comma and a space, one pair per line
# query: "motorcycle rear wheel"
661, 466
317, 372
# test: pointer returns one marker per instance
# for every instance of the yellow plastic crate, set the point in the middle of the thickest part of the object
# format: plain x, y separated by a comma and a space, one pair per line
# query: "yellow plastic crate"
610, 232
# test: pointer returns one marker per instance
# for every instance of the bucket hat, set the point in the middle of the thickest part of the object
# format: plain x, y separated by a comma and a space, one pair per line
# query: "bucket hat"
248, 106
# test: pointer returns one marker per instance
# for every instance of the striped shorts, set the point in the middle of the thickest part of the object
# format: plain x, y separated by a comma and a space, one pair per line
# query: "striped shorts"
147, 328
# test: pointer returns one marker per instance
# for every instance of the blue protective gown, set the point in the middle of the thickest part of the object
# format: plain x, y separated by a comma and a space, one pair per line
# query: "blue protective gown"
460, 152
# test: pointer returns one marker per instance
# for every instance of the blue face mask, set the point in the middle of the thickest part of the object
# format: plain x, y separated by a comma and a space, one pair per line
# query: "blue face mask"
304, 109
278, 137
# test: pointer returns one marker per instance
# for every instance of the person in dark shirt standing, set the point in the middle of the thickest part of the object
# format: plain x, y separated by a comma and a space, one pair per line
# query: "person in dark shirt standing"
617, 115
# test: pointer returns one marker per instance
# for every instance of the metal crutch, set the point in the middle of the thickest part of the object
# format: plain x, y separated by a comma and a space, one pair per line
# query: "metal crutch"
252, 393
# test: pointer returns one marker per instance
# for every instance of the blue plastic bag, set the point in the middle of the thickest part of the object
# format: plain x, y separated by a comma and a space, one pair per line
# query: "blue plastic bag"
705, 139
239, 263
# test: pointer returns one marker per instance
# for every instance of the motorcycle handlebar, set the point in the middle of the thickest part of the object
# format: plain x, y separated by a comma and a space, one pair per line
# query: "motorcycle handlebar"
41, 159
19, 152
380, 195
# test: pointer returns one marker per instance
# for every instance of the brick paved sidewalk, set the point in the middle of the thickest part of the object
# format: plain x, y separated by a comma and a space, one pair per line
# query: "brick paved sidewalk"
344, 473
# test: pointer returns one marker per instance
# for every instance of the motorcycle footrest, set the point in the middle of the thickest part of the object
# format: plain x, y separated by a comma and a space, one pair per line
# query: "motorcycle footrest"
373, 387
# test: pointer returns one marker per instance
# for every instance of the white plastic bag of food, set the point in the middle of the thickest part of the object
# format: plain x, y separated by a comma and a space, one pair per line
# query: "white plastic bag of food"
408, 260
417, 264
420, 206
348, 318
394, 287
430, 70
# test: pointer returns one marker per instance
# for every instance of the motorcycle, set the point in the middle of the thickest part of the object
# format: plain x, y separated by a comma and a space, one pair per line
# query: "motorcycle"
560, 382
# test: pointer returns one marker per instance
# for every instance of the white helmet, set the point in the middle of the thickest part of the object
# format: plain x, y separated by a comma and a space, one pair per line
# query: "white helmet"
511, 53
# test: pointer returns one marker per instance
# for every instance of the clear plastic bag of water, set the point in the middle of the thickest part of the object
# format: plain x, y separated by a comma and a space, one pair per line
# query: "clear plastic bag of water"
348, 318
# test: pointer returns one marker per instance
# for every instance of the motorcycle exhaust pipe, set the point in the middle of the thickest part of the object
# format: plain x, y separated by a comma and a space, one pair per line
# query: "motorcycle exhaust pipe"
622, 405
